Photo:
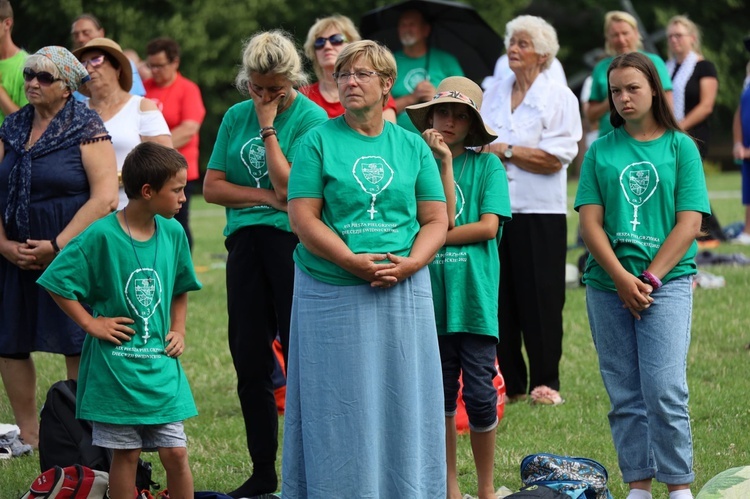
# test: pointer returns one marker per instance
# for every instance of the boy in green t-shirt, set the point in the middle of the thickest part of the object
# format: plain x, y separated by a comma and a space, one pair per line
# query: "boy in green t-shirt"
465, 274
133, 269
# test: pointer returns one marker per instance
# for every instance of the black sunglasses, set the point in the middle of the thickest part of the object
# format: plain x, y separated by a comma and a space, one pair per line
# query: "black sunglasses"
335, 40
43, 77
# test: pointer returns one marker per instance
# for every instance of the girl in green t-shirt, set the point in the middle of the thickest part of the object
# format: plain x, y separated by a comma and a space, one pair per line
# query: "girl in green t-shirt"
641, 199
465, 274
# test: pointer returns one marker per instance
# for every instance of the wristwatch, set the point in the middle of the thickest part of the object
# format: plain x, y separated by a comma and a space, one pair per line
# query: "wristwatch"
508, 152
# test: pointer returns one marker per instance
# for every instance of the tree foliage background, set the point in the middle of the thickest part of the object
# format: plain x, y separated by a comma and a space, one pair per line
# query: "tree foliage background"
211, 34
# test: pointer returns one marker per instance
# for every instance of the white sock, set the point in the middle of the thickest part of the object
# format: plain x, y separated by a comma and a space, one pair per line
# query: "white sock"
681, 494
640, 494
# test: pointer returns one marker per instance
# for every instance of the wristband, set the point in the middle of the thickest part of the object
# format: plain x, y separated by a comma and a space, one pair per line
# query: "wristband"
265, 129
651, 279
54, 245
264, 136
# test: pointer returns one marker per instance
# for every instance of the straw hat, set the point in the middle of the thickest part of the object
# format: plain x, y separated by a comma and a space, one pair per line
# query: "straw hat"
112, 49
461, 91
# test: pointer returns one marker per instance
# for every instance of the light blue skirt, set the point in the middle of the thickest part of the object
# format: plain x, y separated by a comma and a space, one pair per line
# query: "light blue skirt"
364, 402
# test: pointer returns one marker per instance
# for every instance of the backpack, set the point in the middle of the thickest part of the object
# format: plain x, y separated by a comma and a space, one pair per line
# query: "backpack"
537, 492
72, 482
66, 441
577, 477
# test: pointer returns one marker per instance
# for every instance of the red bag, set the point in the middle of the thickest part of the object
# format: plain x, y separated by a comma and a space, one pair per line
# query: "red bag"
71, 482
462, 419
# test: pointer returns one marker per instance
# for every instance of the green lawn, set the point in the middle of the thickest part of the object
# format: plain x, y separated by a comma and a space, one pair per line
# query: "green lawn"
718, 366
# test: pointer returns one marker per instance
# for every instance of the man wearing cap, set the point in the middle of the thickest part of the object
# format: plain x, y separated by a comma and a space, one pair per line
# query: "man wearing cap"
87, 27
419, 65
12, 96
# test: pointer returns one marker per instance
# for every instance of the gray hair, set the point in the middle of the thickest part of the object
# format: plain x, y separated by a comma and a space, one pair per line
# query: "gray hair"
543, 36
38, 62
270, 52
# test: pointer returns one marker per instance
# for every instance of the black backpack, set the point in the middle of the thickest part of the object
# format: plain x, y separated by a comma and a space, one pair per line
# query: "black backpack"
66, 441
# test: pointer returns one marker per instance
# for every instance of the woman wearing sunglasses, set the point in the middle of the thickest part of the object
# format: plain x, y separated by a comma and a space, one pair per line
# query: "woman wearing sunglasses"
129, 119
325, 40
57, 175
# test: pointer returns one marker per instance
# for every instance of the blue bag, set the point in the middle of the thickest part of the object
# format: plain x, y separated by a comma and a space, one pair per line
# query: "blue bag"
577, 477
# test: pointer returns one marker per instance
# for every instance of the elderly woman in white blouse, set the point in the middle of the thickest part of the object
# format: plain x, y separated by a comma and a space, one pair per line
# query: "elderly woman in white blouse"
538, 126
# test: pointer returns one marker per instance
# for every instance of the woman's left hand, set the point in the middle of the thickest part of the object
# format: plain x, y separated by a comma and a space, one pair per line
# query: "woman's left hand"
404, 268
39, 254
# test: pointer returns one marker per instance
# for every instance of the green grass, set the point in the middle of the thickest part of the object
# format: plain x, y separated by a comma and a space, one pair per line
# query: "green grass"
717, 370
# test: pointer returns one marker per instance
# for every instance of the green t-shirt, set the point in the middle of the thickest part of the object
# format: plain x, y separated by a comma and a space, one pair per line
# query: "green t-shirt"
642, 186
11, 79
135, 383
370, 187
465, 278
239, 153
600, 85
435, 66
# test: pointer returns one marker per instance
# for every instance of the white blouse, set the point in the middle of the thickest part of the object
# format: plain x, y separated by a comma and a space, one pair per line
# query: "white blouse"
549, 119
126, 129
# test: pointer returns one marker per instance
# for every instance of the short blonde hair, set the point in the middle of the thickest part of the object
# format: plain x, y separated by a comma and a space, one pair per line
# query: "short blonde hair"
619, 16
38, 62
543, 36
691, 28
338, 22
375, 54
270, 52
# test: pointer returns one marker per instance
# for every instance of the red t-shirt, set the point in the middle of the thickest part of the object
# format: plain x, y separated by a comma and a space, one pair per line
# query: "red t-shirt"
334, 109
178, 102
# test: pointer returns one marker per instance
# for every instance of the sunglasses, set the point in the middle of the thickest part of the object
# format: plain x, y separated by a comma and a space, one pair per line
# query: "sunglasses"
335, 40
94, 62
43, 77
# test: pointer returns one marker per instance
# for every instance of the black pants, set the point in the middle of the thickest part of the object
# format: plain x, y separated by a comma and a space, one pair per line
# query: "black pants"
532, 296
260, 282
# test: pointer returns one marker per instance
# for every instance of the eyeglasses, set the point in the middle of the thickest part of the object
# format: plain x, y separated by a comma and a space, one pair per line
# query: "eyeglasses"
43, 77
94, 62
359, 76
335, 40
676, 36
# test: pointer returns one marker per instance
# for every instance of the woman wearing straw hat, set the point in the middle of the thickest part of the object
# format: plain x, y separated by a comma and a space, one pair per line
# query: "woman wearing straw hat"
57, 175
364, 414
129, 119
465, 273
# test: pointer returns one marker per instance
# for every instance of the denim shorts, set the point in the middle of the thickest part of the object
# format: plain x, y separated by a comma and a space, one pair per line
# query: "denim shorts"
146, 437
473, 357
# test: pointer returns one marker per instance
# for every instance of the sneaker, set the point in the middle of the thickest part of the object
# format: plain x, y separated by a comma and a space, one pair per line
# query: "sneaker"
742, 238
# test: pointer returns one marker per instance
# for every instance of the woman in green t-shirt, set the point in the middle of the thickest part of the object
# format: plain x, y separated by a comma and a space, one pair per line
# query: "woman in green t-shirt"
248, 174
364, 403
641, 198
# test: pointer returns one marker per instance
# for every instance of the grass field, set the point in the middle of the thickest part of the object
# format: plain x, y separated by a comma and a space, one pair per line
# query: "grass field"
717, 369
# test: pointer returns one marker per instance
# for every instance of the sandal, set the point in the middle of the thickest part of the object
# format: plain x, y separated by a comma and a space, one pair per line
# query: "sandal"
544, 395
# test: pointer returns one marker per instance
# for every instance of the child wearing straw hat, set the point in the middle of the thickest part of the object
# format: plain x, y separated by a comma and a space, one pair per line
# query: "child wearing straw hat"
466, 271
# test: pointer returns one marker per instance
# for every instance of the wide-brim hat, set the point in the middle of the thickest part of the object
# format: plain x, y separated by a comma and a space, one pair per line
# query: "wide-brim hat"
113, 49
459, 90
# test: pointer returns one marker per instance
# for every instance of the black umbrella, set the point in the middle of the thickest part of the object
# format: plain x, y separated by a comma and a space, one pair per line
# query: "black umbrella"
456, 28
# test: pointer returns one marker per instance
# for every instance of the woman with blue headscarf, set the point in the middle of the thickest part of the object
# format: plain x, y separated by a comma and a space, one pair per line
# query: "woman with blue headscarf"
57, 175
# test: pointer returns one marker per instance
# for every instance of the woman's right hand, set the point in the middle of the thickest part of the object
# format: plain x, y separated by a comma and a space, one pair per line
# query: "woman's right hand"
365, 265
436, 142
635, 294
12, 251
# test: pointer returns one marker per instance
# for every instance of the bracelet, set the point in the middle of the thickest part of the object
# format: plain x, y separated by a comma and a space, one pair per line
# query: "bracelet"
54, 245
265, 129
268, 134
651, 279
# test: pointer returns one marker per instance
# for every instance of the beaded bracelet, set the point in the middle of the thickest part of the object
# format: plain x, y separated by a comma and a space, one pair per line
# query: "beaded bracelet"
651, 279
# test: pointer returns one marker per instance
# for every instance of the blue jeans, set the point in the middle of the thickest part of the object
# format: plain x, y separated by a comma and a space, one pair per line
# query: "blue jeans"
643, 365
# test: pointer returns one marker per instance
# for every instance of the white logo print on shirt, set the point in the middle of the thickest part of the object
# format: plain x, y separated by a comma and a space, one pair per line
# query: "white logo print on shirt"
374, 176
638, 182
145, 286
253, 156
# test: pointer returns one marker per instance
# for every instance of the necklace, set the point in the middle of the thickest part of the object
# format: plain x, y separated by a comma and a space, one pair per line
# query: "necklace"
150, 284
466, 157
